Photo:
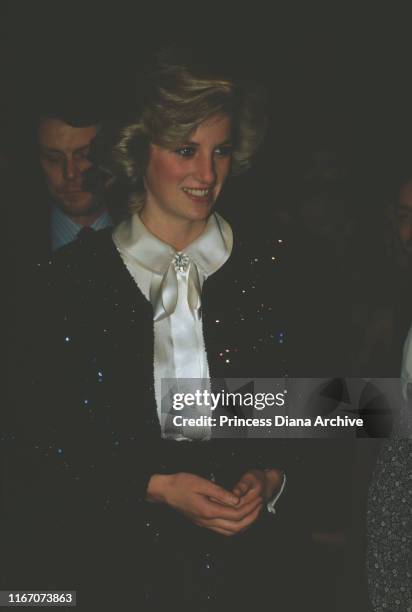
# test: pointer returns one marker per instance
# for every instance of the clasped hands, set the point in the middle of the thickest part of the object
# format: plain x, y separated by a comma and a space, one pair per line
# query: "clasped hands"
211, 506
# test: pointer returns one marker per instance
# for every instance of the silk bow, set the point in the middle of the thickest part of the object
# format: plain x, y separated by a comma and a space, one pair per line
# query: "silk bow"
164, 289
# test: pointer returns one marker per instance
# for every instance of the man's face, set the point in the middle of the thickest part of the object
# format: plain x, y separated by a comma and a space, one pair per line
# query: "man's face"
404, 216
64, 154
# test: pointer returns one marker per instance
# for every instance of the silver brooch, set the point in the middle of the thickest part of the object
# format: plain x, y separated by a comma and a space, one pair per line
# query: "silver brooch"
181, 262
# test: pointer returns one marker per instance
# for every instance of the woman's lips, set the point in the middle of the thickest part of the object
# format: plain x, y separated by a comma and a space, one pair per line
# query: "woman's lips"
204, 196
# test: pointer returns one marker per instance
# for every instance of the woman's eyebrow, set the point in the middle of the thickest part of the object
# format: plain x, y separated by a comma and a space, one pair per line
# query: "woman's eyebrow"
193, 143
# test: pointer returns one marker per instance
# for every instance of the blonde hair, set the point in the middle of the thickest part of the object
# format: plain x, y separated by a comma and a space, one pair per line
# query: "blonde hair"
176, 96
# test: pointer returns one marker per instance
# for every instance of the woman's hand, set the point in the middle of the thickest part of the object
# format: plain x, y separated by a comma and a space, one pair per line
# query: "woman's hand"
258, 484
205, 503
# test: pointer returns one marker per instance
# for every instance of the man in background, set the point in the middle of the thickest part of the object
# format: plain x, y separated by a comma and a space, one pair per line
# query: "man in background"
63, 145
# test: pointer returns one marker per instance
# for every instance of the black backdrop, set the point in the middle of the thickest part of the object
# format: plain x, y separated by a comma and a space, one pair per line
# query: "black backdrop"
338, 78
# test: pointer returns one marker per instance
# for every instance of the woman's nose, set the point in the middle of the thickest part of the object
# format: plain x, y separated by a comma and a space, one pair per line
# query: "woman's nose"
205, 169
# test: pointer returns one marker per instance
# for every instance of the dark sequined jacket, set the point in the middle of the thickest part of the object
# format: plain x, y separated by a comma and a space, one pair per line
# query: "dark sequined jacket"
94, 435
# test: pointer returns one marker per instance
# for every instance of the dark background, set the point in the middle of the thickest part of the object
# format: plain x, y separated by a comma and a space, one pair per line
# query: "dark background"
338, 78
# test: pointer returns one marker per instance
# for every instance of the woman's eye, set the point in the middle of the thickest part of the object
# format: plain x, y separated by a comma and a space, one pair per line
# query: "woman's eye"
185, 151
224, 151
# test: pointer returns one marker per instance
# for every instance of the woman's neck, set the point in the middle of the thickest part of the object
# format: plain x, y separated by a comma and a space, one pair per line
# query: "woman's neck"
177, 233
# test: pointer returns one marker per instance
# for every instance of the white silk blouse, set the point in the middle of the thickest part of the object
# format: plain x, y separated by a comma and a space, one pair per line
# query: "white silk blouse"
172, 281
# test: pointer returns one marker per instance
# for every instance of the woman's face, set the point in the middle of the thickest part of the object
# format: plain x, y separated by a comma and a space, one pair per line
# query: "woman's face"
184, 183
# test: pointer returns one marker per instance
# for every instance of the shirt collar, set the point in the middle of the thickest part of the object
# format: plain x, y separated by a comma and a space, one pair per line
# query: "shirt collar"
209, 251
65, 230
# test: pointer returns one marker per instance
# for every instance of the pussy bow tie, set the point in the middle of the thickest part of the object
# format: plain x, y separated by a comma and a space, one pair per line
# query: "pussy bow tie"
164, 288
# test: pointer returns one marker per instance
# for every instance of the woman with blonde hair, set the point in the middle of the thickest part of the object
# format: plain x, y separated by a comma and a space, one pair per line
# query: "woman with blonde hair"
169, 295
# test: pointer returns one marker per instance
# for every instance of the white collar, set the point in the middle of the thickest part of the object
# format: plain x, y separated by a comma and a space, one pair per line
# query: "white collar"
205, 255
209, 251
